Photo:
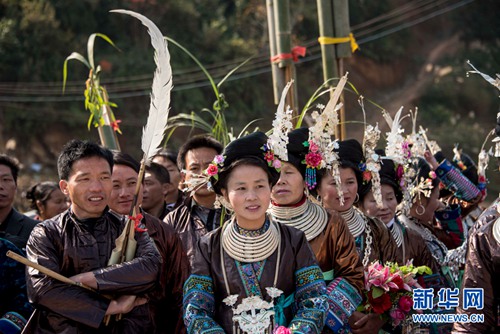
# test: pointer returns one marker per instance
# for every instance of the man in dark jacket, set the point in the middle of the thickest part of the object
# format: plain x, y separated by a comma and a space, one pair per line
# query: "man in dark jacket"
78, 244
197, 215
165, 303
14, 226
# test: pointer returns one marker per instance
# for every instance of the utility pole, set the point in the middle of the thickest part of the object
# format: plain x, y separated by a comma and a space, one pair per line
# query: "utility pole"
283, 68
334, 23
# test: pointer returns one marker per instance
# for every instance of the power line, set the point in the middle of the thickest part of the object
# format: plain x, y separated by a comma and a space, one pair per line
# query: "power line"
259, 66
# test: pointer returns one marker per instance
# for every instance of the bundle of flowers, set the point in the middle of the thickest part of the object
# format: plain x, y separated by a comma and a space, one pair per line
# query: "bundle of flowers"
389, 290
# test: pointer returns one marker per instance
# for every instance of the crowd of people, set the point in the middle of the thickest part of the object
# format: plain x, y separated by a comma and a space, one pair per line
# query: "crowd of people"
270, 234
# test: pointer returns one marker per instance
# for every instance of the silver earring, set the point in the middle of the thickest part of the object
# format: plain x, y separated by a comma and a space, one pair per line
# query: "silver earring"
422, 211
356, 199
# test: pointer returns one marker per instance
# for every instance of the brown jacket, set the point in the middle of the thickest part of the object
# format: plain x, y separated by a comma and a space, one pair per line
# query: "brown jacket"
166, 301
189, 226
335, 249
482, 270
69, 247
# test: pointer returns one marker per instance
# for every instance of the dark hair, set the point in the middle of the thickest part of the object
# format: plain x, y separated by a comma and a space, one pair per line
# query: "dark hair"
40, 192
247, 150
125, 159
245, 161
296, 150
12, 163
168, 154
160, 172
388, 176
195, 142
76, 150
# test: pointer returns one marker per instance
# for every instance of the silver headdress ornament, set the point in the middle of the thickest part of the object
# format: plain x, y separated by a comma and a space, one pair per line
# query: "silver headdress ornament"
416, 138
322, 132
282, 125
494, 82
398, 149
482, 164
432, 145
371, 167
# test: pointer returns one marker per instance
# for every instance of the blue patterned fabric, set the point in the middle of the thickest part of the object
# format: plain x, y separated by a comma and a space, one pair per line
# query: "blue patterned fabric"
310, 301
250, 275
13, 296
343, 298
199, 305
456, 182
359, 241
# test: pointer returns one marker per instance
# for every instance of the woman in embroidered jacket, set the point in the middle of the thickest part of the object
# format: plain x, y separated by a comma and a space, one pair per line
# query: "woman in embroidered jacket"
410, 245
253, 274
327, 234
373, 241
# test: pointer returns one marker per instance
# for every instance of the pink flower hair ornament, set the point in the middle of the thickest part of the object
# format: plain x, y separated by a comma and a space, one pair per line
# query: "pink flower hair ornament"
313, 161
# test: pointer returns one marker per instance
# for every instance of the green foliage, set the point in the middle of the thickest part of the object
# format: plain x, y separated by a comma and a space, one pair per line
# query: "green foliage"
218, 127
95, 94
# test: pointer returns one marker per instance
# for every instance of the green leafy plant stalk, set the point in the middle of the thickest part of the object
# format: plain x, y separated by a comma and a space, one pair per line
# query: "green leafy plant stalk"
96, 96
218, 127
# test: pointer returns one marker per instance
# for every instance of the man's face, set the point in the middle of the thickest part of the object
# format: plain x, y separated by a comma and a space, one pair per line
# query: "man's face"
173, 171
124, 183
154, 192
89, 187
197, 160
7, 187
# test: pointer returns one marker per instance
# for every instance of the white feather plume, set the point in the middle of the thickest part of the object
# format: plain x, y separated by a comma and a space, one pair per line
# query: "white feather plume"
153, 132
282, 125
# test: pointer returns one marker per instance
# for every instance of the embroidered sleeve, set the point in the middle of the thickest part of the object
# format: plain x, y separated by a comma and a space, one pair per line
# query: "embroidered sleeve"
456, 182
451, 221
310, 301
343, 298
199, 305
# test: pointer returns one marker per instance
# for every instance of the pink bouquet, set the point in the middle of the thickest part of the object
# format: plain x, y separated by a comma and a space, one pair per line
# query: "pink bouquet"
388, 290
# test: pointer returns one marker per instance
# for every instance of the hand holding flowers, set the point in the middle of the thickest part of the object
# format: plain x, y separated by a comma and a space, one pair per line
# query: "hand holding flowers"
388, 290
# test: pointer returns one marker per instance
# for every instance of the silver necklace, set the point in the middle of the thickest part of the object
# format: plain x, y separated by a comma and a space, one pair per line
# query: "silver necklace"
253, 315
310, 218
354, 220
249, 248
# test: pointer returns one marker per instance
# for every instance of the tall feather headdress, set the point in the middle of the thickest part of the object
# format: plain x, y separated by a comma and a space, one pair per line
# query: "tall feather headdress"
399, 151
494, 82
371, 167
323, 131
282, 125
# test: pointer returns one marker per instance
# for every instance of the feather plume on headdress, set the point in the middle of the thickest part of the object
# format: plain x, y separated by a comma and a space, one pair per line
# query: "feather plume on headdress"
152, 134
322, 131
482, 164
432, 145
416, 139
397, 147
399, 151
494, 82
282, 125
372, 160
